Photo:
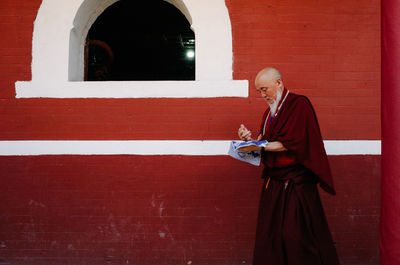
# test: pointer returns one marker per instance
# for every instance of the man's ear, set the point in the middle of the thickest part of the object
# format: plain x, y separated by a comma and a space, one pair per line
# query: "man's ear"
279, 82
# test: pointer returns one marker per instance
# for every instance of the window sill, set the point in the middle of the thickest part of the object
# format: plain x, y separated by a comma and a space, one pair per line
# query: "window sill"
133, 89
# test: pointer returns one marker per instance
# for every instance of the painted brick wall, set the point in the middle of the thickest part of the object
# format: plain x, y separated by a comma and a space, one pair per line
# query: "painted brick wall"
172, 210
132, 210
328, 50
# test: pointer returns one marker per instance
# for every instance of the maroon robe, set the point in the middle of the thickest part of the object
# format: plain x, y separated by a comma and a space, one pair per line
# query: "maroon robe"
292, 227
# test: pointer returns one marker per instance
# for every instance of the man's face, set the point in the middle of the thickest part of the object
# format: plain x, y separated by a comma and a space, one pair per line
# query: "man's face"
268, 88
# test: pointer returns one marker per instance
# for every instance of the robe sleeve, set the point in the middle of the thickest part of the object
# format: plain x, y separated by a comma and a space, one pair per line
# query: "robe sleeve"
300, 133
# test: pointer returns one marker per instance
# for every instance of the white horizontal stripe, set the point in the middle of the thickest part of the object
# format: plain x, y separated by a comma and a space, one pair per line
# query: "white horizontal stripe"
159, 147
353, 147
133, 89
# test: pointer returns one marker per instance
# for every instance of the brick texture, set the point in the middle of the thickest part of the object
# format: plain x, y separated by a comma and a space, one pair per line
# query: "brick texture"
327, 50
126, 210
188, 210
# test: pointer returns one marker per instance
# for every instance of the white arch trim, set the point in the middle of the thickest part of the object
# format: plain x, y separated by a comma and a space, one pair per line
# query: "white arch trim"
59, 34
162, 147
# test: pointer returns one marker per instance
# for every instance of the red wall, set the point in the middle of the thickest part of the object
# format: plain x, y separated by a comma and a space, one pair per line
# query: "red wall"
106, 209
328, 50
132, 210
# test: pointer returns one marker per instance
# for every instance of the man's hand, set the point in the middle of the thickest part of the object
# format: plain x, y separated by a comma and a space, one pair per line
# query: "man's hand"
249, 148
275, 146
244, 134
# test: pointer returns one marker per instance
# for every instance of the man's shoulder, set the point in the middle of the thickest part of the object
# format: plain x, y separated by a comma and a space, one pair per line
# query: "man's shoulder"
298, 100
300, 105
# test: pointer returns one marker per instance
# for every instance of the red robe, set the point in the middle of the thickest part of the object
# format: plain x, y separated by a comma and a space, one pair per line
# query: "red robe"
292, 227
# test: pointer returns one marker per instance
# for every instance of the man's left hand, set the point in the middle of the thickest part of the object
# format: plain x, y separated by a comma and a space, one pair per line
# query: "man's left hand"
249, 148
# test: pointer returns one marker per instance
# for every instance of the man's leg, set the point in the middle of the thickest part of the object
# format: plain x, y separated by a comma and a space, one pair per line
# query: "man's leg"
268, 245
299, 241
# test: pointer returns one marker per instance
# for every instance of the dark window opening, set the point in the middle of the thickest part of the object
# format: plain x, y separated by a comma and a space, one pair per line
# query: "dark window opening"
140, 40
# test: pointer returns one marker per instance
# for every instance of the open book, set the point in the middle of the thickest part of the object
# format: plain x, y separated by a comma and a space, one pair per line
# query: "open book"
253, 157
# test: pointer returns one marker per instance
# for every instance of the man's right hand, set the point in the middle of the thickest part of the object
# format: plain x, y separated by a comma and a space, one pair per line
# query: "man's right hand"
244, 134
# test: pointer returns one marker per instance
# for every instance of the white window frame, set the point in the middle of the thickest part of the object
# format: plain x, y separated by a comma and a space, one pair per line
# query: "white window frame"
59, 35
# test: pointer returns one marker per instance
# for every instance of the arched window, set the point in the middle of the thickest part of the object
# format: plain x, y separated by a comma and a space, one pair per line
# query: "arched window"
58, 54
140, 40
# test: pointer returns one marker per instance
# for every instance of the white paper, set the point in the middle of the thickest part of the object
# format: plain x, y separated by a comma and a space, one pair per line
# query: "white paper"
253, 157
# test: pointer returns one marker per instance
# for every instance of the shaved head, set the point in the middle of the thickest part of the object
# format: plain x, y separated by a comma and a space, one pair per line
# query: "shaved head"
269, 73
270, 85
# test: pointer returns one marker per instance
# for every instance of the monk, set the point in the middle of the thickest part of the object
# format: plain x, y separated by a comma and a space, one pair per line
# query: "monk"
292, 228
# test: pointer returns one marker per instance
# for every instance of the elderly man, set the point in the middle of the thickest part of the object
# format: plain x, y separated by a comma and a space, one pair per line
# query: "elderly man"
292, 228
